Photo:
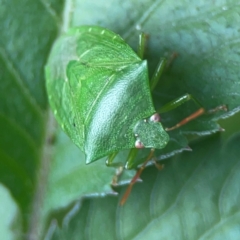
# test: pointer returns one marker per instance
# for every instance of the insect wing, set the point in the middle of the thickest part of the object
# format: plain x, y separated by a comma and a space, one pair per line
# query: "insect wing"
98, 89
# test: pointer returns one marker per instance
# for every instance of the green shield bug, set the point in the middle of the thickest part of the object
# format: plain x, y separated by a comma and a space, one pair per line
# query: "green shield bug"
100, 93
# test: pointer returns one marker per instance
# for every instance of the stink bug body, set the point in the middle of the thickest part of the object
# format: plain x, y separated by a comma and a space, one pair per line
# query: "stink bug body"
100, 93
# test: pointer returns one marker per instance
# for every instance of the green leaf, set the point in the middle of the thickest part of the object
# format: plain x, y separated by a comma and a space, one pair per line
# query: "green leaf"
27, 31
194, 189
10, 222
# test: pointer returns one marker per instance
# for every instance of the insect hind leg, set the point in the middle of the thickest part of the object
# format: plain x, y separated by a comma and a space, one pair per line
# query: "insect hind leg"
136, 177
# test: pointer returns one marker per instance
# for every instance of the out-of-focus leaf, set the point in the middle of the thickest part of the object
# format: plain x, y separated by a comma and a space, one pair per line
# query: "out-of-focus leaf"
27, 31
10, 221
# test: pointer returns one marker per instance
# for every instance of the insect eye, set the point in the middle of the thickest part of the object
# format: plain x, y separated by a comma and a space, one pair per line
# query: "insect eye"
155, 117
138, 144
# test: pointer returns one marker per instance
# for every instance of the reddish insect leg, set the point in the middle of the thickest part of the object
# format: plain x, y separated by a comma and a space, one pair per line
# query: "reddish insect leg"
136, 177
196, 114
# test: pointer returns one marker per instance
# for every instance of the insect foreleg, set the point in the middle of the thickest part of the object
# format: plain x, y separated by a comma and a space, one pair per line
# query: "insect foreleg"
136, 177
157, 74
142, 45
178, 102
110, 159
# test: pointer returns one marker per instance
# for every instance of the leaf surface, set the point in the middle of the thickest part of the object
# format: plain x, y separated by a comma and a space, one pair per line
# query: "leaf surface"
194, 197
27, 31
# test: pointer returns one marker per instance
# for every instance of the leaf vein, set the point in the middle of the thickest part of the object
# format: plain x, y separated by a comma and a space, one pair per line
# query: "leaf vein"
19, 82
51, 12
